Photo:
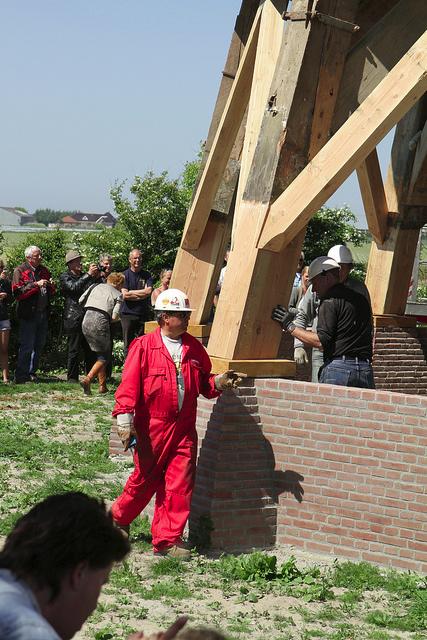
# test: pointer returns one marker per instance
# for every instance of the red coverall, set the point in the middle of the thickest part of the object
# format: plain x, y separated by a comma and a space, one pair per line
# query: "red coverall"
165, 455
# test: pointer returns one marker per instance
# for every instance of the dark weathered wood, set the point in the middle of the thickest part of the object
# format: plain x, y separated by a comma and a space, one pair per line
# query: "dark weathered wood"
369, 61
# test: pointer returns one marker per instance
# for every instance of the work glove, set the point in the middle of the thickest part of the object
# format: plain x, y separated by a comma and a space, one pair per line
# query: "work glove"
229, 380
284, 317
125, 429
300, 355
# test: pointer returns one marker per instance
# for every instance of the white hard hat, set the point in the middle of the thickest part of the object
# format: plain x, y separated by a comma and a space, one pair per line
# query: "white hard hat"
321, 265
172, 300
341, 254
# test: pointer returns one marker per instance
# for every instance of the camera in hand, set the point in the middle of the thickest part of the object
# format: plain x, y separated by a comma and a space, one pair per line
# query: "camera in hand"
102, 268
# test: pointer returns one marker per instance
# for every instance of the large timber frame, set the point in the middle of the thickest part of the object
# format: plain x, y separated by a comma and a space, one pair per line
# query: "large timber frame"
309, 90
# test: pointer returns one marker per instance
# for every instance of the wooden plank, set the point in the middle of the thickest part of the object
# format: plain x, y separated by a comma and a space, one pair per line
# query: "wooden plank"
256, 368
257, 280
373, 196
347, 149
417, 192
228, 128
374, 55
269, 43
390, 320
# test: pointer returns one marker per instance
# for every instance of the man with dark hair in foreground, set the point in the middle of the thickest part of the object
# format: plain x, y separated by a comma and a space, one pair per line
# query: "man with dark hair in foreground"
53, 566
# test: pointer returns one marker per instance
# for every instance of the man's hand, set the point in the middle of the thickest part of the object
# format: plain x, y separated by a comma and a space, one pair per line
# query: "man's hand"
169, 634
93, 270
42, 283
281, 315
125, 429
3, 295
229, 380
300, 355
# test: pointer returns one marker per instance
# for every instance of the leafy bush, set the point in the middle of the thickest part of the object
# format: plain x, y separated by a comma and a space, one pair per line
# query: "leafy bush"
253, 566
328, 227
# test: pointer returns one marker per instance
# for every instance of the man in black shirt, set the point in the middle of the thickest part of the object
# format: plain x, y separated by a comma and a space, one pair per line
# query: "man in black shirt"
137, 289
344, 328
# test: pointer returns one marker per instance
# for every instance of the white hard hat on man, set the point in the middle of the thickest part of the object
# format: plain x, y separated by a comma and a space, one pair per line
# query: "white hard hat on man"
341, 254
172, 300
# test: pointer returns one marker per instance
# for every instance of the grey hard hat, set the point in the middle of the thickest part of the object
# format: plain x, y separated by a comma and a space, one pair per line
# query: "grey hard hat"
321, 265
72, 255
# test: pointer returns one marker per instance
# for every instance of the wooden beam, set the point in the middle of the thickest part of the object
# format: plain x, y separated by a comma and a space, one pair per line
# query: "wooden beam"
269, 43
418, 185
347, 149
373, 196
223, 143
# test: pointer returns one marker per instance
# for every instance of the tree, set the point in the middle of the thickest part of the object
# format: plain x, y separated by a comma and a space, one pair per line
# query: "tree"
328, 227
49, 216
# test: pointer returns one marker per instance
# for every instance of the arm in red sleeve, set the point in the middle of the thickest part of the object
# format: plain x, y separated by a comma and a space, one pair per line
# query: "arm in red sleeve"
129, 390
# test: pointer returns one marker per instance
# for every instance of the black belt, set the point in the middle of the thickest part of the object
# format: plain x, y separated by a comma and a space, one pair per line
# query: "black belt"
355, 359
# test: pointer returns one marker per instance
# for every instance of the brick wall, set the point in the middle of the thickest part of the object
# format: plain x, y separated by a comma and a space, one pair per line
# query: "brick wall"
326, 468
400, 359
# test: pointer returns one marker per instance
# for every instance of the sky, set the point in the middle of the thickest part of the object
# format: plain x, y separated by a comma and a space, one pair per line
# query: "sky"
98, 91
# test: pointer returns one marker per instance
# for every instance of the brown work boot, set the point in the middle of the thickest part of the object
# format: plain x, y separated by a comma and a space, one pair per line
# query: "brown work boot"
102, 379
178, 551
85, 385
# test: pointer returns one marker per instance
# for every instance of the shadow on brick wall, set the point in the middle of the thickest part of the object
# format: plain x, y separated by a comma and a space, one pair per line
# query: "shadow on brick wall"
237, 485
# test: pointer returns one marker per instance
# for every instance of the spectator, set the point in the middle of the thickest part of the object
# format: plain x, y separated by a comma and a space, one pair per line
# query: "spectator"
221, 277
53, 565
165, 278
299, 292
102, 303
344, 328
5, 299
297, 279
73, 283
105, 266
33, 287
156, 401
137, 290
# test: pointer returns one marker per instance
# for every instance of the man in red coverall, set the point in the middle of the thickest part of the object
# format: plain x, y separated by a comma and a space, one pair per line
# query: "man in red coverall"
156, 401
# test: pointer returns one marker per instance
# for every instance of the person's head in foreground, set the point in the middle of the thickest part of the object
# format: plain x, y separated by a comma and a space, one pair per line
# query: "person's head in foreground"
62, 550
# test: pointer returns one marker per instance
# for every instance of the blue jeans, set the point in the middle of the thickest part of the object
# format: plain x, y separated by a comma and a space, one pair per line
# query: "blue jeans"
32, 338
348, 372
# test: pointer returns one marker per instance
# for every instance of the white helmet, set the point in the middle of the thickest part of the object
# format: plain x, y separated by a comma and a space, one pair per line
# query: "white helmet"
172, 300
321, 265
341, 254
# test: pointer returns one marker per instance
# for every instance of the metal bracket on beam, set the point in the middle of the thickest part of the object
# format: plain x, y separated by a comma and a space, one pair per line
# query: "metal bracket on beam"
306, 16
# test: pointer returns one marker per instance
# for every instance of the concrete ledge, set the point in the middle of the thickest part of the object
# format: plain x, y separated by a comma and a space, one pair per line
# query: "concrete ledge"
256, 368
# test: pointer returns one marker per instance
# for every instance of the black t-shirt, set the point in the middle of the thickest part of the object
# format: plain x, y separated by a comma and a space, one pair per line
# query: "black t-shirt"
133, 281
345, 324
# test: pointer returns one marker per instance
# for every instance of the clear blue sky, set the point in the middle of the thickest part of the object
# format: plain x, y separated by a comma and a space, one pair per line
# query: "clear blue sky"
95, 91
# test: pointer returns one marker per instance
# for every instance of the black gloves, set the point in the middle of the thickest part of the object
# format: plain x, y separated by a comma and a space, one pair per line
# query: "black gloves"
284, 317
